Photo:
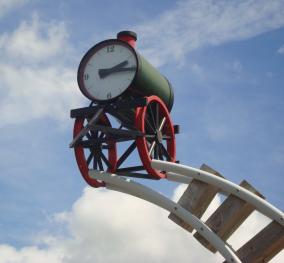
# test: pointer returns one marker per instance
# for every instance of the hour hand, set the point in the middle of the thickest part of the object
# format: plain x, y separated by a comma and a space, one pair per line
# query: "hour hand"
106, 71
117, 68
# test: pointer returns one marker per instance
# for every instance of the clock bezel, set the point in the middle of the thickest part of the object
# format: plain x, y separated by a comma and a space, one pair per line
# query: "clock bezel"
87, 57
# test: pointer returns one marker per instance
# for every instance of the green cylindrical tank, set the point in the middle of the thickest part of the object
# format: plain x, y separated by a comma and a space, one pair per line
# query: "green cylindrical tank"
149, 81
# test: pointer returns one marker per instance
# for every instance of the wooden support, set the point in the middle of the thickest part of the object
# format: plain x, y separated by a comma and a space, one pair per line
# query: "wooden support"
196, 198
263, 246
228, 217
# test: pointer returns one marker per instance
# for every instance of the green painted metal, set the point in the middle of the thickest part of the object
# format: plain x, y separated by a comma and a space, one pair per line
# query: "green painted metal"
149, 81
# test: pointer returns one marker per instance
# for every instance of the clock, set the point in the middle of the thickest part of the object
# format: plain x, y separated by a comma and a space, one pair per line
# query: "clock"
107, 70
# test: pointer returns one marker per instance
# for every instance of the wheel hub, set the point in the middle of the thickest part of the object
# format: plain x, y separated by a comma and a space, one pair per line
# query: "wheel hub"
159, 136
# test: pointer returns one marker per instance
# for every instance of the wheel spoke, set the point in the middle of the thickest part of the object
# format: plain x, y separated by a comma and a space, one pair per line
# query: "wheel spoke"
90, 157
88, 136
94, 135
160, 153
152, 116
165, 152
156, 152
161, 126
105, 160
101, 135
152, 146
149, 124
157, 114
95, 163
101, 167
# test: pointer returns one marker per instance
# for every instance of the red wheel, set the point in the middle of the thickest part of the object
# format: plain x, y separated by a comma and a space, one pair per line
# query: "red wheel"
159, 140
95, 150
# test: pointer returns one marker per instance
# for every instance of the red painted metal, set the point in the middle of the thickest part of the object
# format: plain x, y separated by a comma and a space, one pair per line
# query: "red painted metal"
141, 142
80, 154
129, 38
151, 78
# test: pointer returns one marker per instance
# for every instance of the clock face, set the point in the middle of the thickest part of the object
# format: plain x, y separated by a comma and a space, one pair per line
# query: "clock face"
107, 70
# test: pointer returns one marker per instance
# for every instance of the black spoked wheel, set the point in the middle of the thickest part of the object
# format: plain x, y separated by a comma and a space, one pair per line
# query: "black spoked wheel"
159, 139
95, 150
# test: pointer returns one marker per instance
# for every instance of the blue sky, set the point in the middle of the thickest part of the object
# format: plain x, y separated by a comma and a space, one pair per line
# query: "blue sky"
225, 60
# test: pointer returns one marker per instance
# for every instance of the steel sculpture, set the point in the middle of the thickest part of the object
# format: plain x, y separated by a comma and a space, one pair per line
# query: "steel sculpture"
129, 113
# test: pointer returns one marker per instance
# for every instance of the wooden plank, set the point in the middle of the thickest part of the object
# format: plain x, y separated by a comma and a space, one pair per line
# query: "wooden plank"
228, 217
263, 246
196, 198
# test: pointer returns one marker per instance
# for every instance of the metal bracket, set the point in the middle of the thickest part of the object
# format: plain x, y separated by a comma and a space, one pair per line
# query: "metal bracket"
111, 107
176, 129
84, 131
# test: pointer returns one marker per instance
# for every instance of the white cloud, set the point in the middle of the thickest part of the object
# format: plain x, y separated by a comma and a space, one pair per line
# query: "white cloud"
28, 255
34, 83
8, 5
194, 24
281, 50
30, 93
34, 75
35, 40
105, 226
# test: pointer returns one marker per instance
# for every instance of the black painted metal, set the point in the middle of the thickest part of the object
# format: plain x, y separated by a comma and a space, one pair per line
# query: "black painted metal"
131, 169
125, 155
117, 106
120, 132
124, 112
84, 131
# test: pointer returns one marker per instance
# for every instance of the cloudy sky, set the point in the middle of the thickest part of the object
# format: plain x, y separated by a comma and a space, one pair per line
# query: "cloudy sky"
225, 60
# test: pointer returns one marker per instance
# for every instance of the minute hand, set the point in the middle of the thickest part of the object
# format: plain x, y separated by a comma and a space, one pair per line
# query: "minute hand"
105, 72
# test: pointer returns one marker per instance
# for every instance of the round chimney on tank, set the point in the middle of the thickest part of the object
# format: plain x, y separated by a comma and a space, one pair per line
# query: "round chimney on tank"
128, 36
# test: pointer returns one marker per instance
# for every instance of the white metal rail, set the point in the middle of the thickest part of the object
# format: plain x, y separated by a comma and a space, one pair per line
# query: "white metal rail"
118, 183
184, 174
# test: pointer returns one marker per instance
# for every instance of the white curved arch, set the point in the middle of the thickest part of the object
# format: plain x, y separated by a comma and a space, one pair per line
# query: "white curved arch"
184, 174
118, 183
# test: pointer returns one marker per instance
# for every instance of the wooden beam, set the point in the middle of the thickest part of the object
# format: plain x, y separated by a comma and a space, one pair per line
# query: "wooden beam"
196, 198
228, 217
263, 246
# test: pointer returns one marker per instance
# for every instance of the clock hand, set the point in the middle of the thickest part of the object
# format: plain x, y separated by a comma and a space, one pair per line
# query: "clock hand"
123, 69
106, 71
104, 74
120, 65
